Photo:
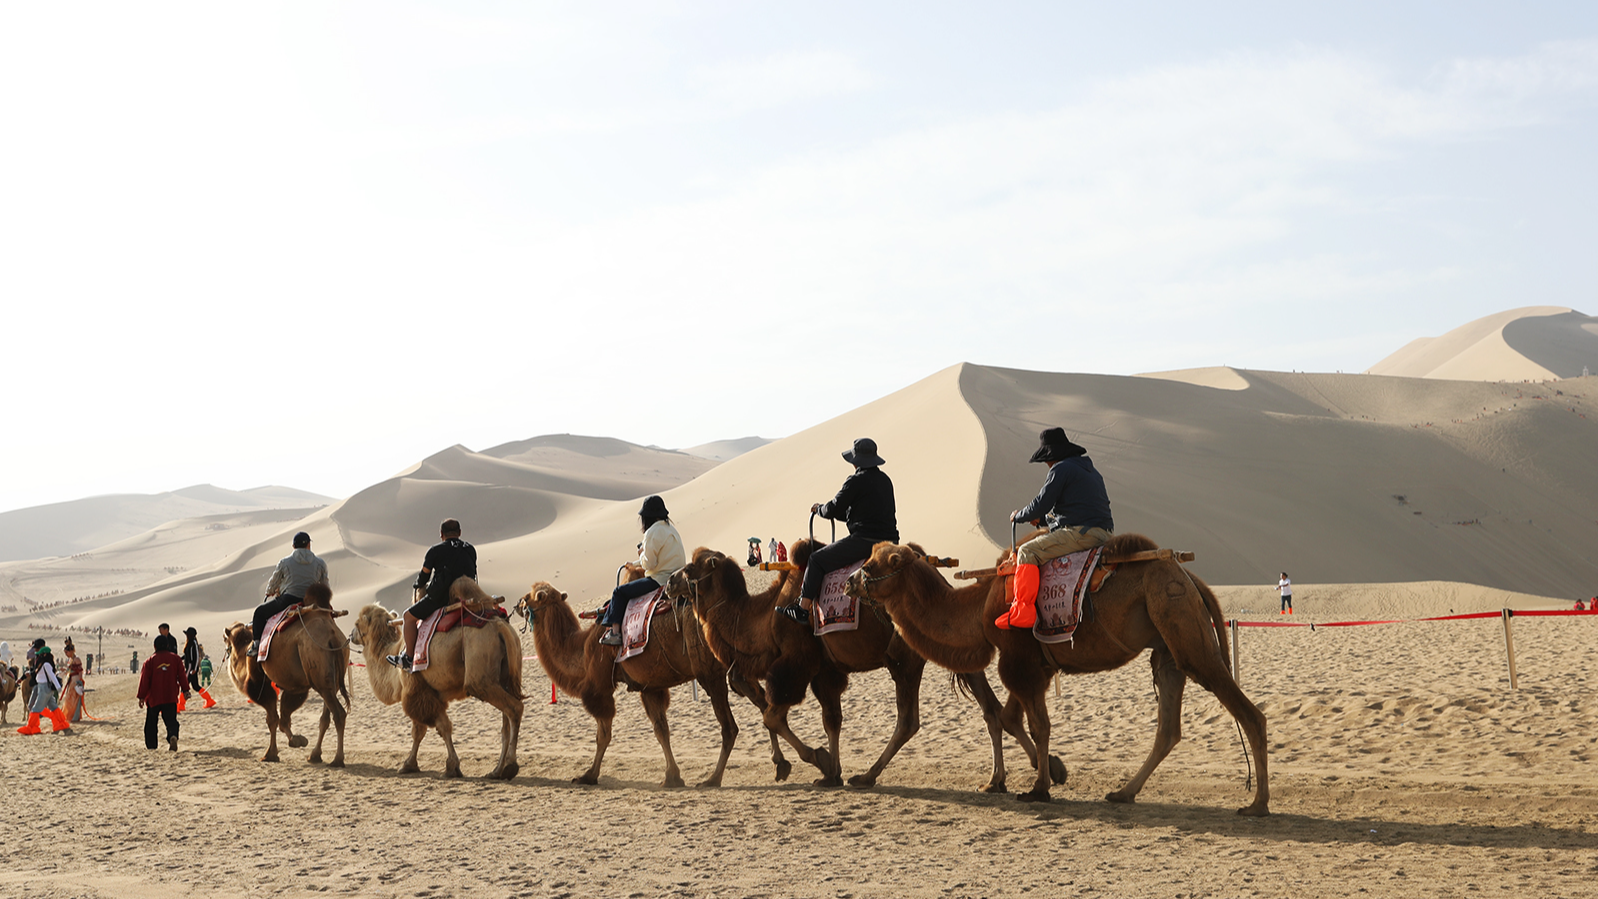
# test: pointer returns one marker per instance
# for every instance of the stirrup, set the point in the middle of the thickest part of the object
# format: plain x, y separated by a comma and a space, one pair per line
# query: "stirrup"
400, 661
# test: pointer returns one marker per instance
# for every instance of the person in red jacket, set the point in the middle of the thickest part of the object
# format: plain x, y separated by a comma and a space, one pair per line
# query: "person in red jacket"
161, 681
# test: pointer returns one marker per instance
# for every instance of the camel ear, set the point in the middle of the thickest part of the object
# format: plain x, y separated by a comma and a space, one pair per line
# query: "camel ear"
563, 596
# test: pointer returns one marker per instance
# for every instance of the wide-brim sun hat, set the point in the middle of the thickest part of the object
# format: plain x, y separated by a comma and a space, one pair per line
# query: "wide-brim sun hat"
864, 454
1053, 446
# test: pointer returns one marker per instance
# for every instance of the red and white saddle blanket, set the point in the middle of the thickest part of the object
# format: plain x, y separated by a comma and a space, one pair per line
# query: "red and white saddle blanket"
273, 624
837, 610
635, 624
1062, 587
445, 620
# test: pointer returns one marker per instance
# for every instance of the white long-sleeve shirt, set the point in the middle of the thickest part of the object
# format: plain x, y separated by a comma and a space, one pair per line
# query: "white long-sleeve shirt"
663, 554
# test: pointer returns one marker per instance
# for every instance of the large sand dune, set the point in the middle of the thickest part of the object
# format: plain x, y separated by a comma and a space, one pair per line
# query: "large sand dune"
1530, 344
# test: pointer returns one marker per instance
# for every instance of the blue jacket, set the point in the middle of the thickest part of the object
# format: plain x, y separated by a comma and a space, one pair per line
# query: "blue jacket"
1073, 496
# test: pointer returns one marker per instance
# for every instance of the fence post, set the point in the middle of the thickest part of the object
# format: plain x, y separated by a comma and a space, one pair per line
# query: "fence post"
1509, 648
1235, 674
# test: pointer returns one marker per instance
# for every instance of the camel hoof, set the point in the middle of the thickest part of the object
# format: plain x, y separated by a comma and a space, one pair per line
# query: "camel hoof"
1257, 810
708, 782
589, 779
831, 780
994, 788
1118, 796
863, 781
1056, 770
452, 773
674, 782
506, 773
1034, 796
784, 768
297, 741
315, 759
336, 763
410, 768
269, 757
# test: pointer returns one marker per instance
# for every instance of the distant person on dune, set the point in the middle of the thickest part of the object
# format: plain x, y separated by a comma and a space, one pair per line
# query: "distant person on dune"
449, 559
1076, 507
293, 575
865, 502
1285, 587
661, 555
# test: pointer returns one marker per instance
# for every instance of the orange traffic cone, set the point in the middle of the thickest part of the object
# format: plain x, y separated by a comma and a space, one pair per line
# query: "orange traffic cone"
1023, 610
206, 695
32, 727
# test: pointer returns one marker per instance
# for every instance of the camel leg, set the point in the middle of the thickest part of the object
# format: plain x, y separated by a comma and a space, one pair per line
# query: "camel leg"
785, 688
828, 688
716, 689
331, 707
603, 707
510, 727
446, 730
1027, 683
757, 696
655, 704
418, 731
988, 702
321, 733
272, 725
906, 673
1212, 675
1169, 682
287, 704
1013, 719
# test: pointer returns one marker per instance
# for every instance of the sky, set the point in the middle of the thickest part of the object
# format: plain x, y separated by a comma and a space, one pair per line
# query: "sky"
309, 244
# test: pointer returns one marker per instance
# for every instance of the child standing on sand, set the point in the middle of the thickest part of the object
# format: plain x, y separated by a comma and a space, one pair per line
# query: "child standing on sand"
1285, 587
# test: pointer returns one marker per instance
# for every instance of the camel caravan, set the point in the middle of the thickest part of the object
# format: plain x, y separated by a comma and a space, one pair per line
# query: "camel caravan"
1072, 598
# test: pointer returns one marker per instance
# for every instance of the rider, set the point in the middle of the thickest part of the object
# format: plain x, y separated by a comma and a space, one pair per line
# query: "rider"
446, 561
662, 555
297, 571
1077, 508
865, 502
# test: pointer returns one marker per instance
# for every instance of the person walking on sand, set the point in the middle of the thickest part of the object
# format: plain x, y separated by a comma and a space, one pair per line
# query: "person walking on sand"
865, 503
1076, 507
661, 556
192, 652
294, 573
72, 694
45, 702
1285, 587
161, 682
449, 559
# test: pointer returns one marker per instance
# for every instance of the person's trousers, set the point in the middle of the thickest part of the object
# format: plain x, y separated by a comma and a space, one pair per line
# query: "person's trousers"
1059, 543
167, 712
626, 593
267, 609
832, 557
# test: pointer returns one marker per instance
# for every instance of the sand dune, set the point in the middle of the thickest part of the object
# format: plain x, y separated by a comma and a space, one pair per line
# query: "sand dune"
1530, 344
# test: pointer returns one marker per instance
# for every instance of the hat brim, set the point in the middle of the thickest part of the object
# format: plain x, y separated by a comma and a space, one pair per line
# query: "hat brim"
1056, 452
863, 461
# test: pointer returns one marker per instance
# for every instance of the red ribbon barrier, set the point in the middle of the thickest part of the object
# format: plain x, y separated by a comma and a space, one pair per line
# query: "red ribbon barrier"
1512, 613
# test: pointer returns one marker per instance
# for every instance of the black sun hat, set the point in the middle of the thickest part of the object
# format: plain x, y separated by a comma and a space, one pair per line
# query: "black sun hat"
864, 454
1053, 446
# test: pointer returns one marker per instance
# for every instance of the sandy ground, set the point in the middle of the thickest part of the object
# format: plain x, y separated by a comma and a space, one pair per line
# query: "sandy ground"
1401, 765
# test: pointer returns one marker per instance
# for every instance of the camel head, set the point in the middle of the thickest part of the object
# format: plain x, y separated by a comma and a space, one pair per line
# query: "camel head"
887, 559
373, 627
705, 563
236, 638
540, 596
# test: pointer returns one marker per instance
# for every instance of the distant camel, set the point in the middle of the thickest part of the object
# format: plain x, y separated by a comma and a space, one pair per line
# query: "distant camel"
482, 662
308, 653
1154, 605
8, 690
749, 636
676, 654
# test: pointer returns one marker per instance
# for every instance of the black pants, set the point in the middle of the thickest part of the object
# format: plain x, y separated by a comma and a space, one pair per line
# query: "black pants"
269, 608
168, 712
626, 593
832, 557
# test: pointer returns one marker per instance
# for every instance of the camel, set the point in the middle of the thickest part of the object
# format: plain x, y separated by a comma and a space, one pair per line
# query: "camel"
482, 662
309, 653
676, 653
749, 637
1155, 605
8, 690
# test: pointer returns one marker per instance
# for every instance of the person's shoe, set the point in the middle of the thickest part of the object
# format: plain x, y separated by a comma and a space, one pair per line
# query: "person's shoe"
400, 661
251, 651
32, 727
207, 695
796, 612
611, 637
172, 742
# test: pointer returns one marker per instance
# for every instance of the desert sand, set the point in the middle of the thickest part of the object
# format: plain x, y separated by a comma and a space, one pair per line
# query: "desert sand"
1402, 761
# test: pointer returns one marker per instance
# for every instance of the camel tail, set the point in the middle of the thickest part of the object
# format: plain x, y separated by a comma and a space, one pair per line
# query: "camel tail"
510, 674
1216, 616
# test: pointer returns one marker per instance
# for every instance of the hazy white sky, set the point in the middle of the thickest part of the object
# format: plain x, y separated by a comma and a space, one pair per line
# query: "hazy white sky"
309, 243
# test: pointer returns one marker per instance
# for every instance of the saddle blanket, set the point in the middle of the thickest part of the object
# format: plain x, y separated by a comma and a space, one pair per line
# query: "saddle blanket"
635, 624
837, 610
272, 626
1062, 586
442, 622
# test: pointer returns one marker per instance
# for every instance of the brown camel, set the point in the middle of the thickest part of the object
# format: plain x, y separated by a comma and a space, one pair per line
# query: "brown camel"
309, 653
748, 636
482, 662
676, 654
8, 690
1153, 605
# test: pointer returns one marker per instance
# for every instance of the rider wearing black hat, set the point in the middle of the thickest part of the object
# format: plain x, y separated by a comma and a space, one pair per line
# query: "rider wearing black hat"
660, 555
293, 575
448, 560
865, 503
1076, 507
